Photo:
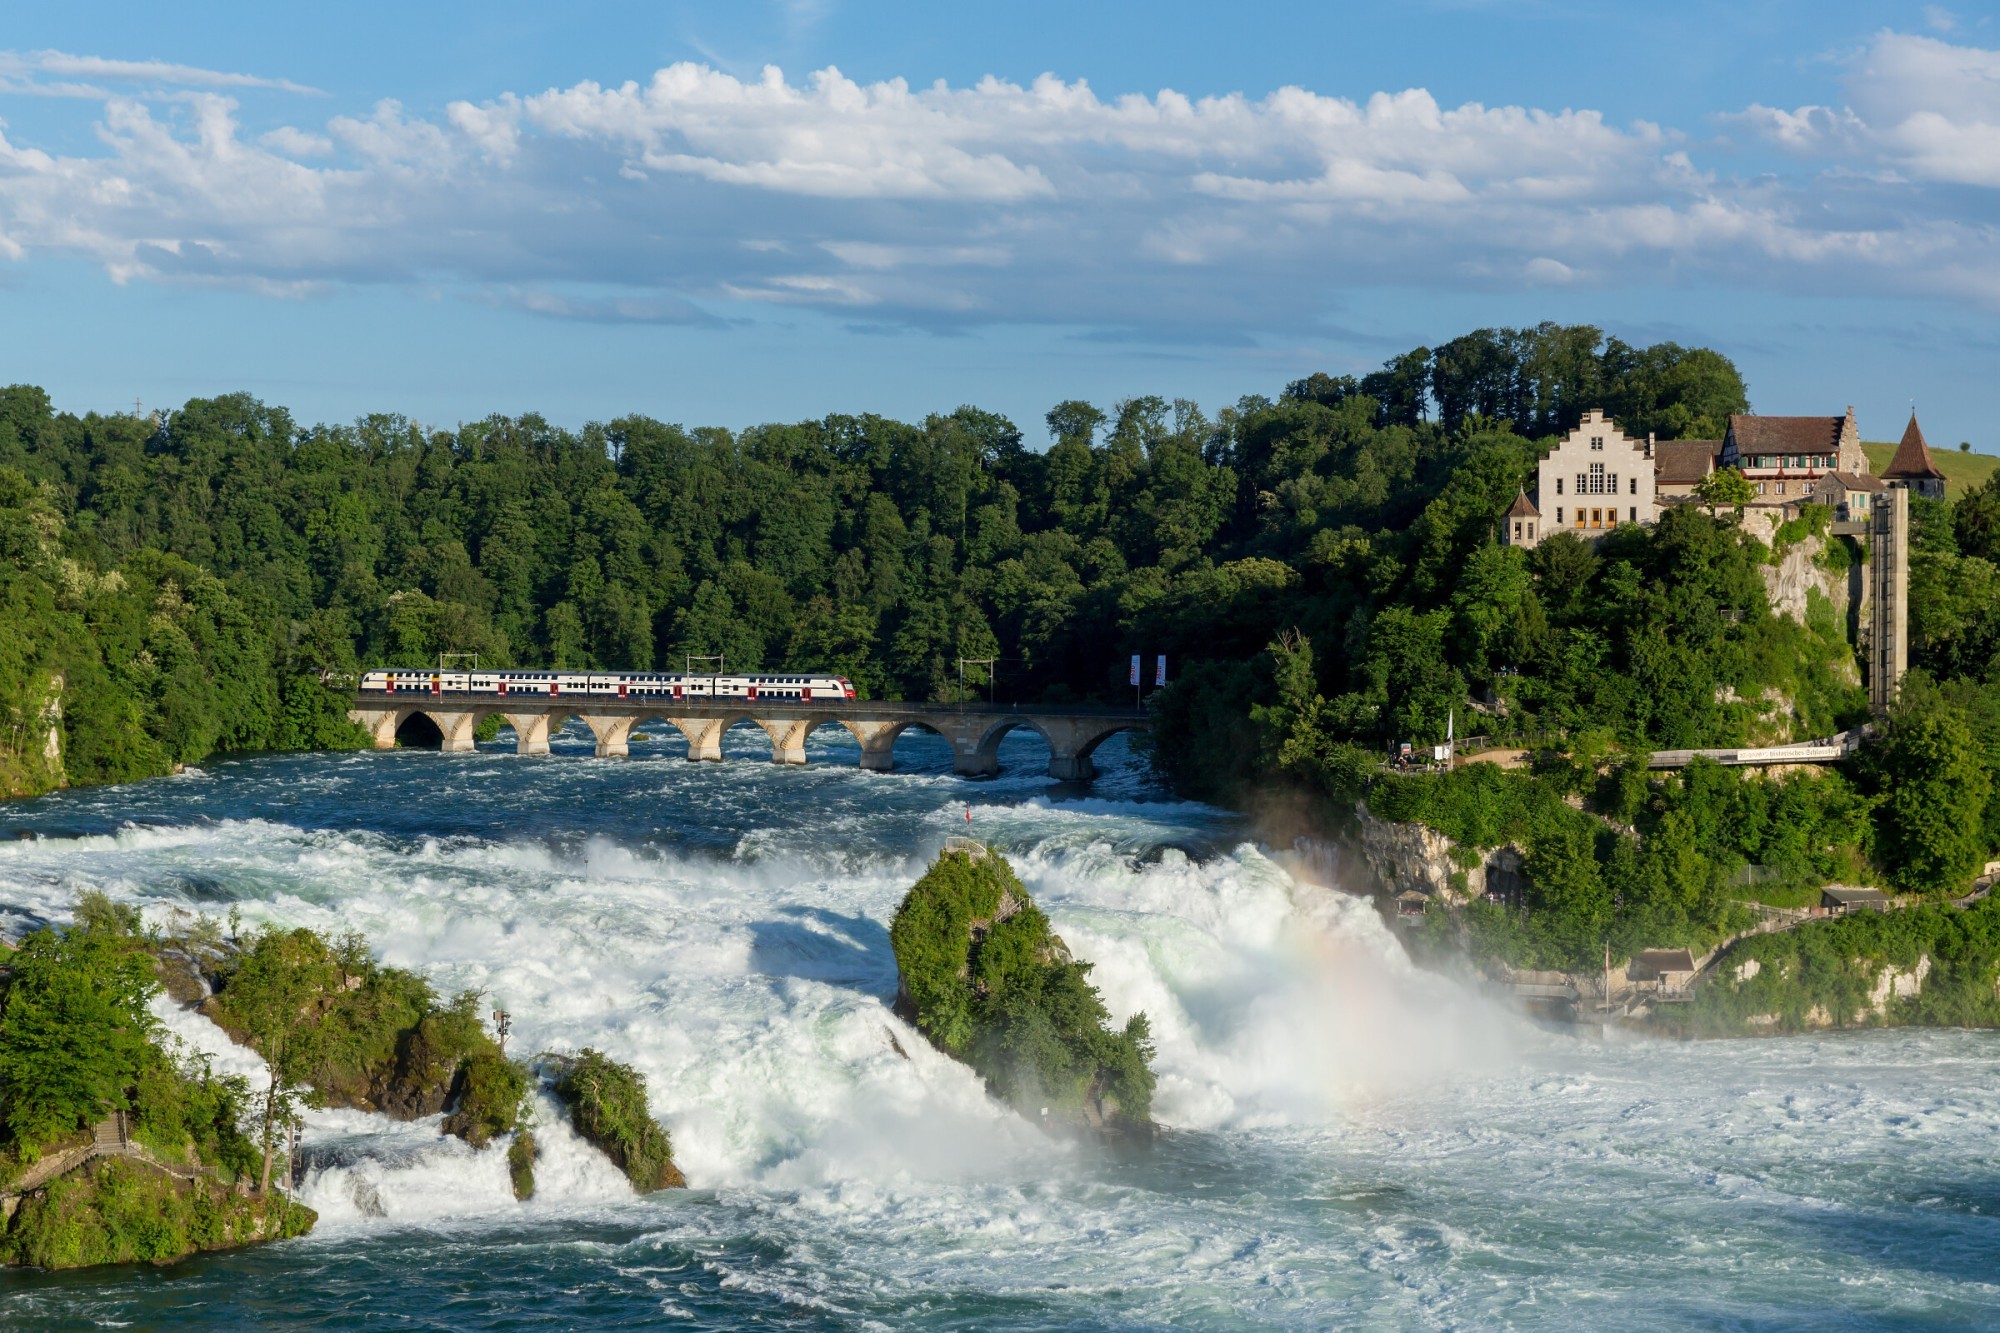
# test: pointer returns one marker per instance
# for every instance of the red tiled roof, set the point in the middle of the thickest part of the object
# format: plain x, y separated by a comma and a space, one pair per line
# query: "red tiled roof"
1683, 462
1787, 435
1913, 456
1524, 508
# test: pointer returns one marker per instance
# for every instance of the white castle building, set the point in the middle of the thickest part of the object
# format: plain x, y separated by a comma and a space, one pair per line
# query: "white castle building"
1595, 479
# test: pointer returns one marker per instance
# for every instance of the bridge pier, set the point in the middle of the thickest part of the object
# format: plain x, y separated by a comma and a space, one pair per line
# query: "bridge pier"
379, 723
878, 743
612, 732
531, 732
457, 728
704, 736
788, 738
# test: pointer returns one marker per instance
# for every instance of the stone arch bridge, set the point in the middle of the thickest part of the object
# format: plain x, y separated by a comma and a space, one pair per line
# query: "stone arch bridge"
974, 730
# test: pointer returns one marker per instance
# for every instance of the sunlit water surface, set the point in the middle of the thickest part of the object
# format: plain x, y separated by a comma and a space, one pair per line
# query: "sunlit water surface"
1354, 1141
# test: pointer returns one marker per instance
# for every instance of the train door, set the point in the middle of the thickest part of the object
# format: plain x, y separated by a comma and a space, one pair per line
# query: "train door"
753, 692
437, 687
552, 687
677, 691
621, 687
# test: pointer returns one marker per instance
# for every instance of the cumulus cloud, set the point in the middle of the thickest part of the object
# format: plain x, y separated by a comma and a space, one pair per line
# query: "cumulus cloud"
1925, 107
938, 206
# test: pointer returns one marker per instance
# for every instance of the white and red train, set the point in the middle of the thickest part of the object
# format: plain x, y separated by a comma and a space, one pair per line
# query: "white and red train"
640, 685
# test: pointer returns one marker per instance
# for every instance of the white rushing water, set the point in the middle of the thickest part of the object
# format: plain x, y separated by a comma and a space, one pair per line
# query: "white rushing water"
1354, 1139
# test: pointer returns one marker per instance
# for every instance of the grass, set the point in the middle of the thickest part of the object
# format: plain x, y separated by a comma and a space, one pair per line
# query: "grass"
1962, 472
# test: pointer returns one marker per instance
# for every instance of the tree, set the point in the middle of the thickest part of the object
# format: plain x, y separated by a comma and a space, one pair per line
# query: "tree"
1935, 790
269, 995
1725, 486
73, 1030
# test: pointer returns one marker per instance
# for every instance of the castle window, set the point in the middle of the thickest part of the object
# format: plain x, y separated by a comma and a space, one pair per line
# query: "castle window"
1635, 486
1559, 513
1531, 532
1517, 531
1559, 485
1597, 441
1635, 513
1596, 479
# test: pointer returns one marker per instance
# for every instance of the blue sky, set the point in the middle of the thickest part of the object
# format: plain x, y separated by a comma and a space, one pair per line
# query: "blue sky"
764, 211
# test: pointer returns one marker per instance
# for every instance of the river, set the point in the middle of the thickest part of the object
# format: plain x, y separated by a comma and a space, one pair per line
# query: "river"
1353, 1141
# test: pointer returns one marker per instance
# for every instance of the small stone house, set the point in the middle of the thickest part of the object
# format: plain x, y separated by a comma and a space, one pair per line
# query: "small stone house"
1851, 497
1838, 898
1670, 970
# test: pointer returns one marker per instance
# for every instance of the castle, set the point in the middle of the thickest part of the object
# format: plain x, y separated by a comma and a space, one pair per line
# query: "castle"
1598, 477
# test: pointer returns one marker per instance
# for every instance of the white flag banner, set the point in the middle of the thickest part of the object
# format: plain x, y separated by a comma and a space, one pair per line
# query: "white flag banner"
1135, 668
1160, 670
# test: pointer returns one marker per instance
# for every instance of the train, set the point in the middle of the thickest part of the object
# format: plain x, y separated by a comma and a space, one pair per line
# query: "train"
641, 685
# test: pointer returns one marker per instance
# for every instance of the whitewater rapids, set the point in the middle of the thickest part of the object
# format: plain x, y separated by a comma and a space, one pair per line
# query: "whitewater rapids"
1354, 1139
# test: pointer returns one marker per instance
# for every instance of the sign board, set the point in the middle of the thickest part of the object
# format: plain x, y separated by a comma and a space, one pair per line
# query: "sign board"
1440, 752
1135, 668
1160, 670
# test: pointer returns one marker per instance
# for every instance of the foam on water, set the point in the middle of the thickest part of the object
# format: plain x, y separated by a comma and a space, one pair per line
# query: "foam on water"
1356, 1139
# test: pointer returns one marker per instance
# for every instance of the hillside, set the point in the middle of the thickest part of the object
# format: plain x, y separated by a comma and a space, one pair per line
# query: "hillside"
1962, 472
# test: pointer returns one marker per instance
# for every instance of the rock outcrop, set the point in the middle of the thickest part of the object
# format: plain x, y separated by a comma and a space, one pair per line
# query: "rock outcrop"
982, 975
1415, 856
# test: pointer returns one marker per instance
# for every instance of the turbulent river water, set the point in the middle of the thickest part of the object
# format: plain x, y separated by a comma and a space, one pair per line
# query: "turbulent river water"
1354, 1141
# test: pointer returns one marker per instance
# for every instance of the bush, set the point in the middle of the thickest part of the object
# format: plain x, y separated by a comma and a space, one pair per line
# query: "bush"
608, 1107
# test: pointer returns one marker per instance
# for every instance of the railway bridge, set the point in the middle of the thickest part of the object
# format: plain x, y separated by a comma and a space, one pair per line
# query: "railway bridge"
1073, 733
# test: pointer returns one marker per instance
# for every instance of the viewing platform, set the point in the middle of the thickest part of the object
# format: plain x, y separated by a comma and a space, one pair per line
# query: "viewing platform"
1072, 732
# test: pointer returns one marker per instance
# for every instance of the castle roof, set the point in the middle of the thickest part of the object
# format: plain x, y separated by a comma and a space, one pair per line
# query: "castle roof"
1684, 462
1786, 435
1857, 481
1913, 456
1524, 508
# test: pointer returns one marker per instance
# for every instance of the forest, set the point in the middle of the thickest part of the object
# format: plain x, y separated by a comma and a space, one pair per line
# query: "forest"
1321, 568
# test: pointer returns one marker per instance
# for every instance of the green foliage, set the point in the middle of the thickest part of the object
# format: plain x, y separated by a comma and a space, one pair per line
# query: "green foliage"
1830, 973
113, 1211
1936, 784
1725, 488
990, 983
73, 1032
608, 1107
492, 1098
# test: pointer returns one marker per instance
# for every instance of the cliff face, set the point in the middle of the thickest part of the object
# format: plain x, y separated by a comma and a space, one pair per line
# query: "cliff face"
31, 759
1413, 856
1800, 572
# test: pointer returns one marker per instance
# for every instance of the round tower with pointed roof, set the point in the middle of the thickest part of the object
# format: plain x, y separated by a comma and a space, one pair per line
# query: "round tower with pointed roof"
1913, 469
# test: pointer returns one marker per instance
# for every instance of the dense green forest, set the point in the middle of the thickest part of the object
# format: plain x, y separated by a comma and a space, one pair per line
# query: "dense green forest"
1322, 568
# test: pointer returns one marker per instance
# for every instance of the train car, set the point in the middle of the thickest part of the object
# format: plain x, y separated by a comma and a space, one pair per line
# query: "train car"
639, 685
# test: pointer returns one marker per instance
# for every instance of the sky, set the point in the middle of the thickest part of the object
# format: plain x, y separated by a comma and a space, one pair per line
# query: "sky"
777, 209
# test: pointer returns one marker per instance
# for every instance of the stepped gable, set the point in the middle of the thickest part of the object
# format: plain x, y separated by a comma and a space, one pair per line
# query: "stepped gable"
1524, 508
1913, 460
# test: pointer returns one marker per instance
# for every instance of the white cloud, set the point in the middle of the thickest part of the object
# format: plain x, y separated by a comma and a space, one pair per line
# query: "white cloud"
942, 205
30, 66
1927, 108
